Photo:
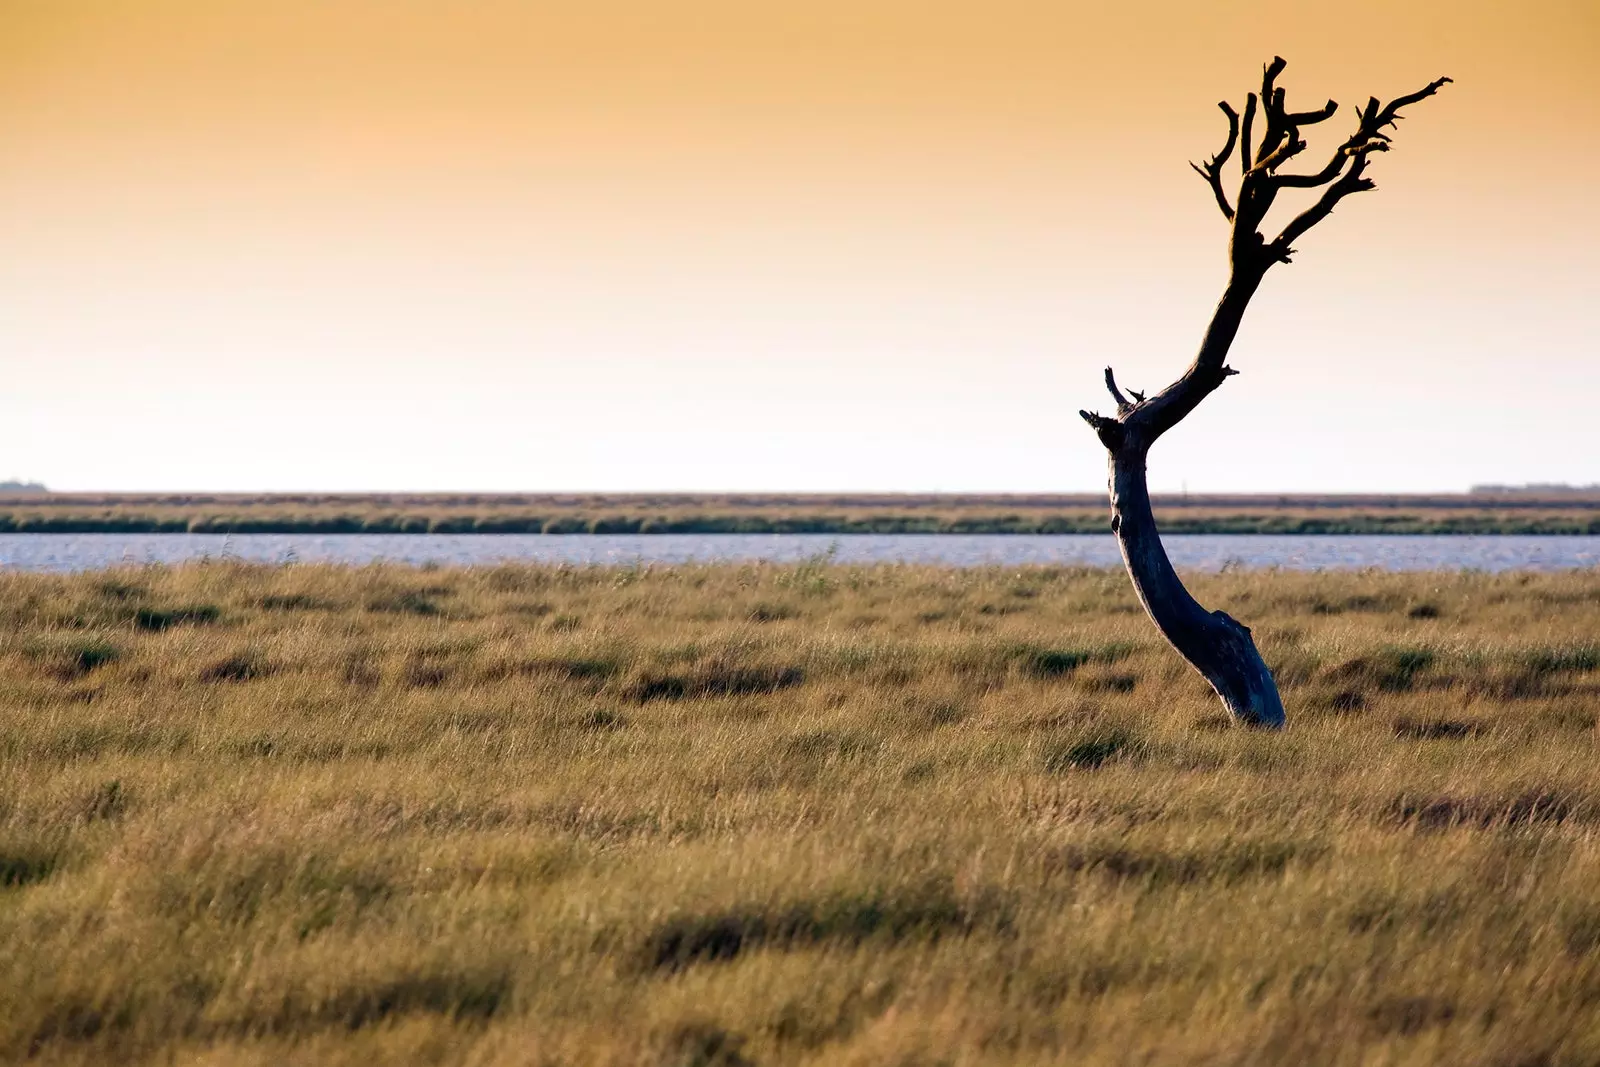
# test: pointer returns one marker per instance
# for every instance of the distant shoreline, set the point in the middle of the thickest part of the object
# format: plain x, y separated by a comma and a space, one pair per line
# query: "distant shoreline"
780, 513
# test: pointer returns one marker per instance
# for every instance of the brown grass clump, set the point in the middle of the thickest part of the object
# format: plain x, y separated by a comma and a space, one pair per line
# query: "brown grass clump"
791, 815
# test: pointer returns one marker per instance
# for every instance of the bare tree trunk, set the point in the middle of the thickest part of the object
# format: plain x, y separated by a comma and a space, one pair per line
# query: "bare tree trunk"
1215, 644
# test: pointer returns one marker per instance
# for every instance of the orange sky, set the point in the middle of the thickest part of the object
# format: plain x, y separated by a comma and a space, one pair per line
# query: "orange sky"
399, 244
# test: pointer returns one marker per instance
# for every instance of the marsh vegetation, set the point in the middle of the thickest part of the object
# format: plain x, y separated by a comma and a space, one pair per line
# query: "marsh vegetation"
882, 513
806, 814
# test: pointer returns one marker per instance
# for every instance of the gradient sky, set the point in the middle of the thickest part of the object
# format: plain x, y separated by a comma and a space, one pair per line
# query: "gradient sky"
721, 245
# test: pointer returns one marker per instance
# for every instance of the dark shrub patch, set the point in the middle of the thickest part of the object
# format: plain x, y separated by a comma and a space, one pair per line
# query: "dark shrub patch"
115, 589
76, 658
1090, 752
1410, 1015
705, 1045
825, 744
1423, 611
942, 714
1229, 862
77, 1019
239, 667
462, 995
742, 680
1483, 812
602, 719
1392, 670
1400, 666
359, 668
23, 864
1433, 913
771, 613
426, 674
575, 668
1114, 683
158, 619
1358, 602
292, 602
1554, 660
1435, 729
110, 801
1053, 662
258, 747
91, 654
410, 602
659, 687
924, 913
1582, 931
1346, 701
715, 681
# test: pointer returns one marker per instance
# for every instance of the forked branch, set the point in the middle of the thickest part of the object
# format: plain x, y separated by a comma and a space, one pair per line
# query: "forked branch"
1211, 169
1340, 183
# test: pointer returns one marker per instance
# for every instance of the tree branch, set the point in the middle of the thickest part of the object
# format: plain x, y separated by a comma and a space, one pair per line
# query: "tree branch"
1211, 170
1244, 137
1272, 107
1292, 146
1391, 114
1306, 118
1351, 182
1110, 431
1368, 138
1123, 404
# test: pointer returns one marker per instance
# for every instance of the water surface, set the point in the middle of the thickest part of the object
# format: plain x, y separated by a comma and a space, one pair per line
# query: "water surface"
1206, 552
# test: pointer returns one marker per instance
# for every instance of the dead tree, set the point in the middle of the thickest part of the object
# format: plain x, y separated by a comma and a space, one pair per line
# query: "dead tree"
1215, 644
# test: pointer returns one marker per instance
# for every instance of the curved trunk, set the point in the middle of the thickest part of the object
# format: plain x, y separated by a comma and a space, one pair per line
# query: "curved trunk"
1214, 643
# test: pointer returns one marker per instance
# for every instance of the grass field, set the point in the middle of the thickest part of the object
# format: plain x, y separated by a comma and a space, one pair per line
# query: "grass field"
791, 815
1551, 512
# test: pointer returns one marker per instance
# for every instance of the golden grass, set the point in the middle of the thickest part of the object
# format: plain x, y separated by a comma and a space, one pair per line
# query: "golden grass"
791, 815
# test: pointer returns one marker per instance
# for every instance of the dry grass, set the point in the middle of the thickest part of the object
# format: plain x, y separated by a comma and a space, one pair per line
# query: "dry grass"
791, 815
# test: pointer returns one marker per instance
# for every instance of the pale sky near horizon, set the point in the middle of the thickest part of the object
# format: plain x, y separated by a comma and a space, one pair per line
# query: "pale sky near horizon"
718, 245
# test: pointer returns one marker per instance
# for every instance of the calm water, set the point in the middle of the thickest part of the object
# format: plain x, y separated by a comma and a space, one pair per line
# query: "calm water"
74, 552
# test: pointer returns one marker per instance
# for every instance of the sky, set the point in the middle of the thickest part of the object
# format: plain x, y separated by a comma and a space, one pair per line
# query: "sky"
722, 245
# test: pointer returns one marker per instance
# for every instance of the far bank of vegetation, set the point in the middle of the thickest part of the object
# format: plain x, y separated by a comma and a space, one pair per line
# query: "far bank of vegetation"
772, 513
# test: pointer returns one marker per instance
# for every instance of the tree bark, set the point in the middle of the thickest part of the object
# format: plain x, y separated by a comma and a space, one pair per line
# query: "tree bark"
1215, 644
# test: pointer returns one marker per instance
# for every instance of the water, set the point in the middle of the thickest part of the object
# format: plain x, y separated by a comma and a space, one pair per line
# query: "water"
1205, 552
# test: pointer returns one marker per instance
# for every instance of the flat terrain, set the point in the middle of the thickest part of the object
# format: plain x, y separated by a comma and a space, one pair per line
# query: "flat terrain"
791, 815
1571, 512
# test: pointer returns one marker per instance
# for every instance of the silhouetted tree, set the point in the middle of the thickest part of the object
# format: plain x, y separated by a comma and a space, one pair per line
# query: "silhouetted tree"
1215, 644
